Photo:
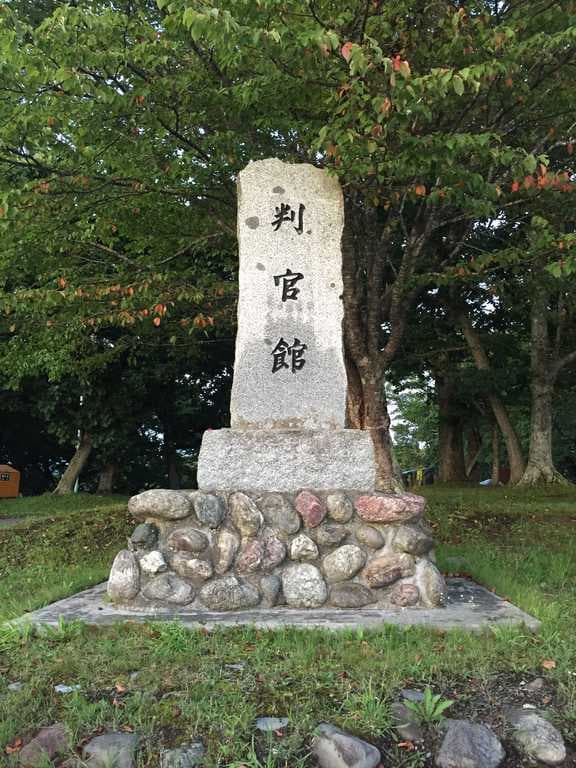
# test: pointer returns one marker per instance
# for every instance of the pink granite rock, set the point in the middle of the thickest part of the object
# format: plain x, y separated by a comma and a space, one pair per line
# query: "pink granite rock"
387, 569
312, 510
274, 553
250, 557
390, 507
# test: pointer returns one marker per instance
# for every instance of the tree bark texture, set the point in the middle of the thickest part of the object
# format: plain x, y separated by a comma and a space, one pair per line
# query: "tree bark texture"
106, 479
495, 478
451, 465
75, 467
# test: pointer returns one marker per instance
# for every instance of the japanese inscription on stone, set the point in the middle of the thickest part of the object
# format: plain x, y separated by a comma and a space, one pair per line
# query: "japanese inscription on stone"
289, 369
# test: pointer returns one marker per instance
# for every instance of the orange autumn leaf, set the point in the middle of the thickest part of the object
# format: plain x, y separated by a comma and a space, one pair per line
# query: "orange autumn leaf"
14, 746
548, 664
420, 190
346, 50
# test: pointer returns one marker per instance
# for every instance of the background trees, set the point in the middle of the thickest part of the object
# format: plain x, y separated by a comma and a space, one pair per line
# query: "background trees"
450, 126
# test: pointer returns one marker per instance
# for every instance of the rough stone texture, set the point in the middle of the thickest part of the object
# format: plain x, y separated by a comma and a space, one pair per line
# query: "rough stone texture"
386, 569
250, 557
431, 584
144, 536
286, 460
170, 505
187, 539
350, 595
186, 756
270, 587
124, 579
303, 586
153, 563
209, 509
274, 553
536, 737
406, 722
315, 396
390, 508
227, 544
405, 595
334, 748
469, 744
271, 724
279, 513
369, 536
343, 563
409, 538
311, 509
330, 535
245, 515
339, 506
192, 567
169, 588
303, 548
228, 594
111, 749
47, 744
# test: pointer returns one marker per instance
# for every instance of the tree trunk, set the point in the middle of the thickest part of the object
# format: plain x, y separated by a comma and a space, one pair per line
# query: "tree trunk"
513, 448
452, 468
473, 449
106, 479
75, 467
495, 455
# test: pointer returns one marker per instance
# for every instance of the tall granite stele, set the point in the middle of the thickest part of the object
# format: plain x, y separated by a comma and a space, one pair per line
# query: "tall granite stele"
286, 513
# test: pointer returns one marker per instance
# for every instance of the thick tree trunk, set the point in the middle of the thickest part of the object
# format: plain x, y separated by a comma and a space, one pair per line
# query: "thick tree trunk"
513, 448
495, 455
75, 467
106, 479
451, 465
473, 449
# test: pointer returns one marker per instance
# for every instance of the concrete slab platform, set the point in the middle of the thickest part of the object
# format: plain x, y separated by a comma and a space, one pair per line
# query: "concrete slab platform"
470, 607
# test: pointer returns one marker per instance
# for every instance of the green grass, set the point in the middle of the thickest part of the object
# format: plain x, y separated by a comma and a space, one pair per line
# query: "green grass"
520, 544
48, 505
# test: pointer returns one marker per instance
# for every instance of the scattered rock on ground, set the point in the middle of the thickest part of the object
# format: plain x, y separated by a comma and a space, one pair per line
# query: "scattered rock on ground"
469, 745
15, 687
303, 586
186, 756
411, 694
170, 505
268, 724
47, 744
406, 722
537, 737
334, 748
124, 579
61, 688
111, 749
535, 685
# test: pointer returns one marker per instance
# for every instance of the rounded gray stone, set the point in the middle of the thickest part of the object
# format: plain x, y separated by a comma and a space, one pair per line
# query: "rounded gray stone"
274, 553
339, 506
124, 579
303, 548
406, 722
153, 563
350, 595
369, 536
169, 505
117, 749
169, 588
430, 583
47, 744
469, 744
209, 509
537, 737
245, 515
343, 563
411, 539
225, 549
271, 724
330, 534
270, 587
334, 748
144, 536
187, 540
279, 513
186, 756
303, 586
228, 594
190, 567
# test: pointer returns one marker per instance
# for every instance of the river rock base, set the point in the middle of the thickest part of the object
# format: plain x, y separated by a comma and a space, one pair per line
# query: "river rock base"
238, 550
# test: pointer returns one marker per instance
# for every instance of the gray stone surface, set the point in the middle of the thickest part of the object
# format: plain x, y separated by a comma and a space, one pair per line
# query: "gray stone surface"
406, 722
227, 545
169, 588
279, 513
187, 539
537, 737
340, 507
303, 548
245, 515
334, 748
124, 579
111, 749
313, 397
170, 505
47, 744
343, 563
431, 584
270, 724
303, 586
209, 509
190, 567
369, 536
330, 534
469, 607
411, 539
228, 594
153, 562
186, 756
471, 745
144, 536
270, 587
286, 460
350, 595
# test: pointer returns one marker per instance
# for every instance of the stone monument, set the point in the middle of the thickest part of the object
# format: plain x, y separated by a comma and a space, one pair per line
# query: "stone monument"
286, 513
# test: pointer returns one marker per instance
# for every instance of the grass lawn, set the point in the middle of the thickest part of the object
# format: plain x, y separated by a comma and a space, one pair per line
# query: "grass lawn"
173, 686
